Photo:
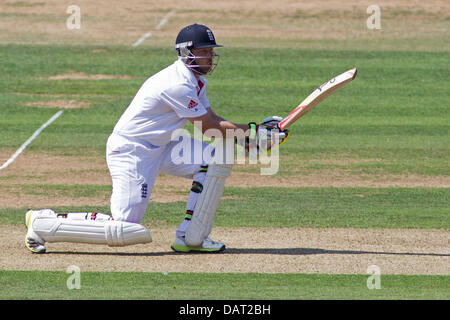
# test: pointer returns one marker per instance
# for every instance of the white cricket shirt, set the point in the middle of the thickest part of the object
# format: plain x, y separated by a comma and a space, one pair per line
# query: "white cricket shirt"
162, 105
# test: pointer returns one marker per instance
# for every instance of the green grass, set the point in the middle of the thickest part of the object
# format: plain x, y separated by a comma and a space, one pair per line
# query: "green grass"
54, 190
323, 208
417, 208
395, 111
210, 286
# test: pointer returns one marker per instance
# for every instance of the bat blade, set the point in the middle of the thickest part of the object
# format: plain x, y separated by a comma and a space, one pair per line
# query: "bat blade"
318, 96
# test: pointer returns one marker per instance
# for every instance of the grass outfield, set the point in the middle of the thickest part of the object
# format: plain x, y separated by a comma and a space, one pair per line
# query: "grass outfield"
417, 208
395, 114
27, 285
392, 120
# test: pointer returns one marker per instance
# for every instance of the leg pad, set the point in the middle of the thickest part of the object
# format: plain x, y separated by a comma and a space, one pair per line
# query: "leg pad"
112, 233
205, 208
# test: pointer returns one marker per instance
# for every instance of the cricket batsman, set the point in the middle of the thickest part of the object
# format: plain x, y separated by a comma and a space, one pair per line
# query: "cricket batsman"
141, 146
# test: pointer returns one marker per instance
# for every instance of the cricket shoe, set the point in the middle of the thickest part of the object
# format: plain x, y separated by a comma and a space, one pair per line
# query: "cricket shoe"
32, 241
208, 246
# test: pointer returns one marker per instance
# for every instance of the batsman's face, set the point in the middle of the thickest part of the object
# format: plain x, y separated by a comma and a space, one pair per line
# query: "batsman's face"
204, 58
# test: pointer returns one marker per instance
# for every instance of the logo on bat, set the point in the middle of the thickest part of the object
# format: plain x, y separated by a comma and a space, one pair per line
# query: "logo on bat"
330, 81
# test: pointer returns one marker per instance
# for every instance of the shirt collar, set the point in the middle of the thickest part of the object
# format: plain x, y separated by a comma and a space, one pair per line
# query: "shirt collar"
199, 84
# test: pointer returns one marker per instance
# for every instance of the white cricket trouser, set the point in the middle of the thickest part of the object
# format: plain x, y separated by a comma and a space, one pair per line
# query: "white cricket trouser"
134, 165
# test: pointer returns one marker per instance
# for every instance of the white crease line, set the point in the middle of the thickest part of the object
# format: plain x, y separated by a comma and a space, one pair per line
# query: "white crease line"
141, 39
158, 27
30, 139
165, 19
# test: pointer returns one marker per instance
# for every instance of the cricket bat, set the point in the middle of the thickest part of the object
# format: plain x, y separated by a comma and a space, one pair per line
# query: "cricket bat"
317, 96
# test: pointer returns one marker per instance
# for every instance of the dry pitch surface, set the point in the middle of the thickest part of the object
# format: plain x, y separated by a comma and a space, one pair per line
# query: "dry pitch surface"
406, 25
263, 250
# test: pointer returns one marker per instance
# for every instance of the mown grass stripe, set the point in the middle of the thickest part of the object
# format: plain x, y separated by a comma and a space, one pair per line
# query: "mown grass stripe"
133, 285
309, 207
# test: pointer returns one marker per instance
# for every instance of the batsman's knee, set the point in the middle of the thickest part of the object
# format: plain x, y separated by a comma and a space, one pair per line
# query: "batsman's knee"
197, 187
